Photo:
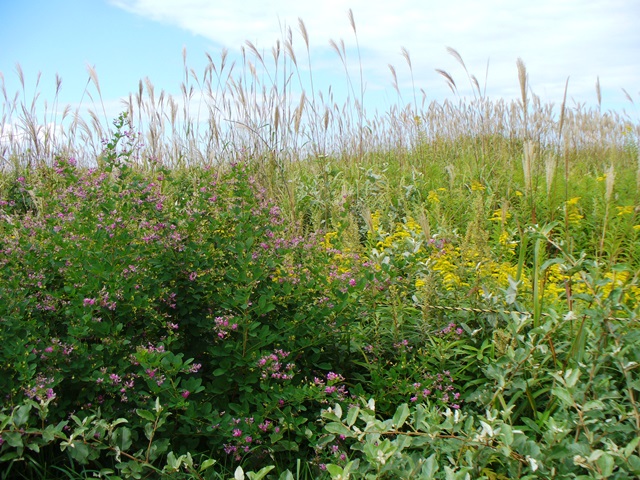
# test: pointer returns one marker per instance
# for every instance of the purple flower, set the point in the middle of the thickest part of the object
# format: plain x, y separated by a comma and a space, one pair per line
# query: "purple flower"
237, 432
186, 394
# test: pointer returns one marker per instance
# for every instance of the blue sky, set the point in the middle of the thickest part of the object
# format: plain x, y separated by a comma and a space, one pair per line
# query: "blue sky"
128, 40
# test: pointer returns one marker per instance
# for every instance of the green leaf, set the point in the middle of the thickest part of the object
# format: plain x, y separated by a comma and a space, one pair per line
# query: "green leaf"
146, 414
507, 434
261, 473
13, 439
430, 467
563, 395
21, 415
207, 463
401, 415
352, 415
338, 429
334, 470
606, 464
286, 475
122, 438
79, 451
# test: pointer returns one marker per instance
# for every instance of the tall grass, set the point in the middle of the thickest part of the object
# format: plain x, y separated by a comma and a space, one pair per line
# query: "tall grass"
266, 104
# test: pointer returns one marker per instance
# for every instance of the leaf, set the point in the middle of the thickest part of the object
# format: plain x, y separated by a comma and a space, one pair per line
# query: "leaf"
401, 415
338, 429
507, 434
334, 470
238, 474
606, 464
286, 475
563, 395
207, 463
21, 415
79, 451
352, 415
122, 438
146, 414
430, 467
13, 439
261, 473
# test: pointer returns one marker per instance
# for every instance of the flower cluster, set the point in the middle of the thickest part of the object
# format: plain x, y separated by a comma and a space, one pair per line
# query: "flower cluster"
271, 366
41, 390
246, 434
224, 325
437, 388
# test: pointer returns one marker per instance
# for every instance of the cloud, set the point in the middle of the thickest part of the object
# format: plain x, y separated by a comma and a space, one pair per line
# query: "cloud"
584, 40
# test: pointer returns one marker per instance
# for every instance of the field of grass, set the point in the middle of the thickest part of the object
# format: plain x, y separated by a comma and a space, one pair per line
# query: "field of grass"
246, 284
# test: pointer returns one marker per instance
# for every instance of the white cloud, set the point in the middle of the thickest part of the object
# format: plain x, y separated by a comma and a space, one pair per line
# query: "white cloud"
555, 38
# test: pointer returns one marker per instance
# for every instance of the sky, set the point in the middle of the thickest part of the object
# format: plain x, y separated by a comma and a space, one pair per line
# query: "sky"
129, 40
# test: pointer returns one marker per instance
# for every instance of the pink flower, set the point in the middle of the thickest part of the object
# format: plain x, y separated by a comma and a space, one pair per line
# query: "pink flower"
186, 394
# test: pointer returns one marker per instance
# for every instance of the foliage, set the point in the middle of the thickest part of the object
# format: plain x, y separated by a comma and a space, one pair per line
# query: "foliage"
203, 321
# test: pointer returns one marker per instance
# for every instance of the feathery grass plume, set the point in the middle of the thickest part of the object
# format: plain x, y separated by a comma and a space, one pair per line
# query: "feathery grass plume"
598, 94
610, 176
449, 79
550, 164
423, 221
473, 81
450, 169
523, 81
609, 183
405, 53
527, 164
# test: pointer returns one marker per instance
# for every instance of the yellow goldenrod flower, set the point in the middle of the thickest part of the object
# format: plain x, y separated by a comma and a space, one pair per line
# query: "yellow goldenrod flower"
420, 283
433, 197
625, 210
477, 187
327, 239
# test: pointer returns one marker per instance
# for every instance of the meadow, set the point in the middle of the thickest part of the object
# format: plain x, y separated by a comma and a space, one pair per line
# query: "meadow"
253, 281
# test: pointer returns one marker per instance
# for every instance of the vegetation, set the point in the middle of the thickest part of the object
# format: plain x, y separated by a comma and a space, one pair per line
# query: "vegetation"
443, 291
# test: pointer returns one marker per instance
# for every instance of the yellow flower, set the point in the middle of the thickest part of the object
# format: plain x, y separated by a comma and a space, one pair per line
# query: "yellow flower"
636, 228
327, 239
412, 225
602, 177
420, 283
518, 193
625, 210
433, 197
477, 186
497, 216
573, 201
